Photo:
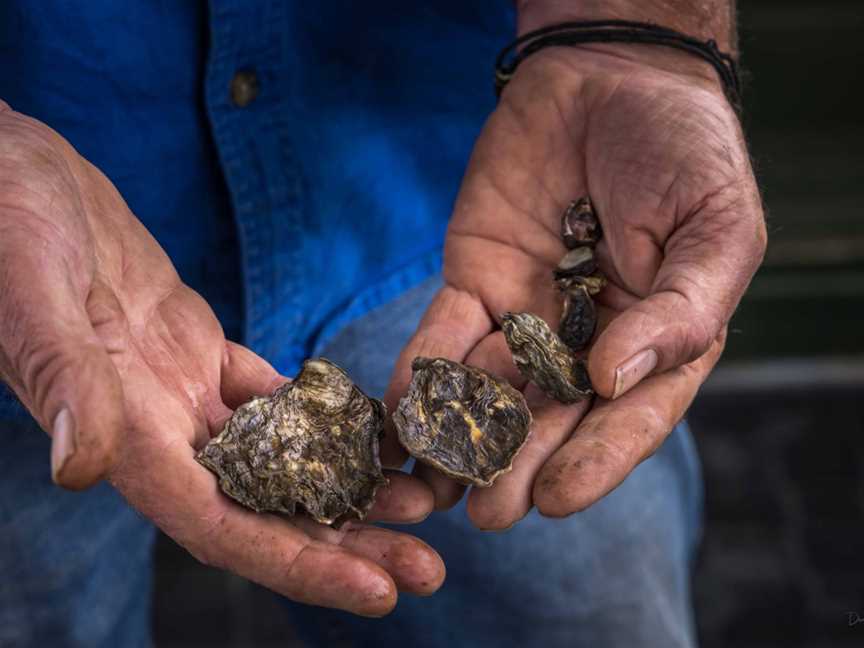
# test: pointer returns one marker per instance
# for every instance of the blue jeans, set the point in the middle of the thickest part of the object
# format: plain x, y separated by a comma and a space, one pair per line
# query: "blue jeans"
76, 567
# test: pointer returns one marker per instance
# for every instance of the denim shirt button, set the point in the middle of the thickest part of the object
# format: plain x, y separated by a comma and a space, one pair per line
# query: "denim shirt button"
244, 88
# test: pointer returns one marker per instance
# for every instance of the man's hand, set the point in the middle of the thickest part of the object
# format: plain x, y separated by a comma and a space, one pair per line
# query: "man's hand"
648, 134
128, 370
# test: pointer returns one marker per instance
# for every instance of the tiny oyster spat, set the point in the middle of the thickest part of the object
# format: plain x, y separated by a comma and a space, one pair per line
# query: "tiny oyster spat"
542, 357
579, 224
462, 420
593, 283
312, 444
577, 275
578, 262
579, 318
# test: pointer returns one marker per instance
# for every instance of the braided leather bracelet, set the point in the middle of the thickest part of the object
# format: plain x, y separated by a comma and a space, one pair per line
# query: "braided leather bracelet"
618, 31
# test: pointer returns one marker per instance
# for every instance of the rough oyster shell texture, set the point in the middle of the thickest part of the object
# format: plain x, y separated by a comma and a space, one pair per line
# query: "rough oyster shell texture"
312, 444
542, 357
579, 224
579, 318
462, 420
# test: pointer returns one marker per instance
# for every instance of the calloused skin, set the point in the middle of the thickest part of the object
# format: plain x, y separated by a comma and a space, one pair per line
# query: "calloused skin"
96, 320
648, 134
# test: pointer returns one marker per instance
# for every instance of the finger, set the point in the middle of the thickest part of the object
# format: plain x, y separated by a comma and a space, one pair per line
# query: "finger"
393, 455
245, 375
447, 491
493, 355
54, 359
404, 500
616, 436
452, 325
510, 498
183, 499
414, 566
708, 263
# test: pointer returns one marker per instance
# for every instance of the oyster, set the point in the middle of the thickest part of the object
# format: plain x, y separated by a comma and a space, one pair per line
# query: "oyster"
577, 275
312, 444
579, 224
578, 262
579, 318
462, 420
593, 283
542, 357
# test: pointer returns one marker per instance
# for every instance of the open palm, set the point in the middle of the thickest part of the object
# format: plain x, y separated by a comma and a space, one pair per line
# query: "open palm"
663, 159
100, 337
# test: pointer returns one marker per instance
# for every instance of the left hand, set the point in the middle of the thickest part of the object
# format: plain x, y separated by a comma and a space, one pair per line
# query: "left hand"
655, 144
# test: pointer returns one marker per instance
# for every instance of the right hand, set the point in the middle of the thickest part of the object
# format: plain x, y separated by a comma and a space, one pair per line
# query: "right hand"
129, 371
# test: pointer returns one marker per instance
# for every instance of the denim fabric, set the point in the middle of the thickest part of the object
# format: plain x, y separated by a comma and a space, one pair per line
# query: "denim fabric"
75, 568
326, 195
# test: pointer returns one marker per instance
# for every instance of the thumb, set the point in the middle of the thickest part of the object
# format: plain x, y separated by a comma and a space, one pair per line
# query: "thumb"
245, 375
707, 265
59, 368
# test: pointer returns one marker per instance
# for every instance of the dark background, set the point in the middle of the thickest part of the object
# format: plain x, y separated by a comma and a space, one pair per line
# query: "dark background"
780, 423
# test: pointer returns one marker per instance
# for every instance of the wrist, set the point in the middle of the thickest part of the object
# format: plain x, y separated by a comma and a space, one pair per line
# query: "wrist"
710, 21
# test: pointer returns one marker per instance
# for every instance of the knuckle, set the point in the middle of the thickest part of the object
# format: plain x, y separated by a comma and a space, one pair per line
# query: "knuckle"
41, 364
654, 426
293, 582
761, 240
690, 328
30, 144
204, 547
609, 456
701, 333
489, 518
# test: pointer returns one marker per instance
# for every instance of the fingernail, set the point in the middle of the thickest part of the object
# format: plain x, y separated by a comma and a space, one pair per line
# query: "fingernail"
63, 441
628, 374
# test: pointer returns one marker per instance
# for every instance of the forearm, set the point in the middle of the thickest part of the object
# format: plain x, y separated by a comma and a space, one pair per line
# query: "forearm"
703, 19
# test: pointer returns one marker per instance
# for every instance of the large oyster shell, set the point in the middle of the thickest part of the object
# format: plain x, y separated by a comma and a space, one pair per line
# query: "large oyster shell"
313, 444
462, 420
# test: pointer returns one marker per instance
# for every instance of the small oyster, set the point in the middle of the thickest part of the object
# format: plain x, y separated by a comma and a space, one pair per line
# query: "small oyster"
462, 420
579, 224
542, 357
578, 262
579, 318
313, 444
592, 283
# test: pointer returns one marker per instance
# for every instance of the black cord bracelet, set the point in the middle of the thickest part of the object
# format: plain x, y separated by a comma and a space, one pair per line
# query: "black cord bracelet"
618, 31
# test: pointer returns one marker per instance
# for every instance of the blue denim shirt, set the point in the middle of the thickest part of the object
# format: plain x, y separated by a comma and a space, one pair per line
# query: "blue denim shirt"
328, 194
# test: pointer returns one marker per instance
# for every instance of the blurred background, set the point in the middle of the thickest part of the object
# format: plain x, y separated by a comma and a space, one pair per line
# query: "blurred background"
780, 423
